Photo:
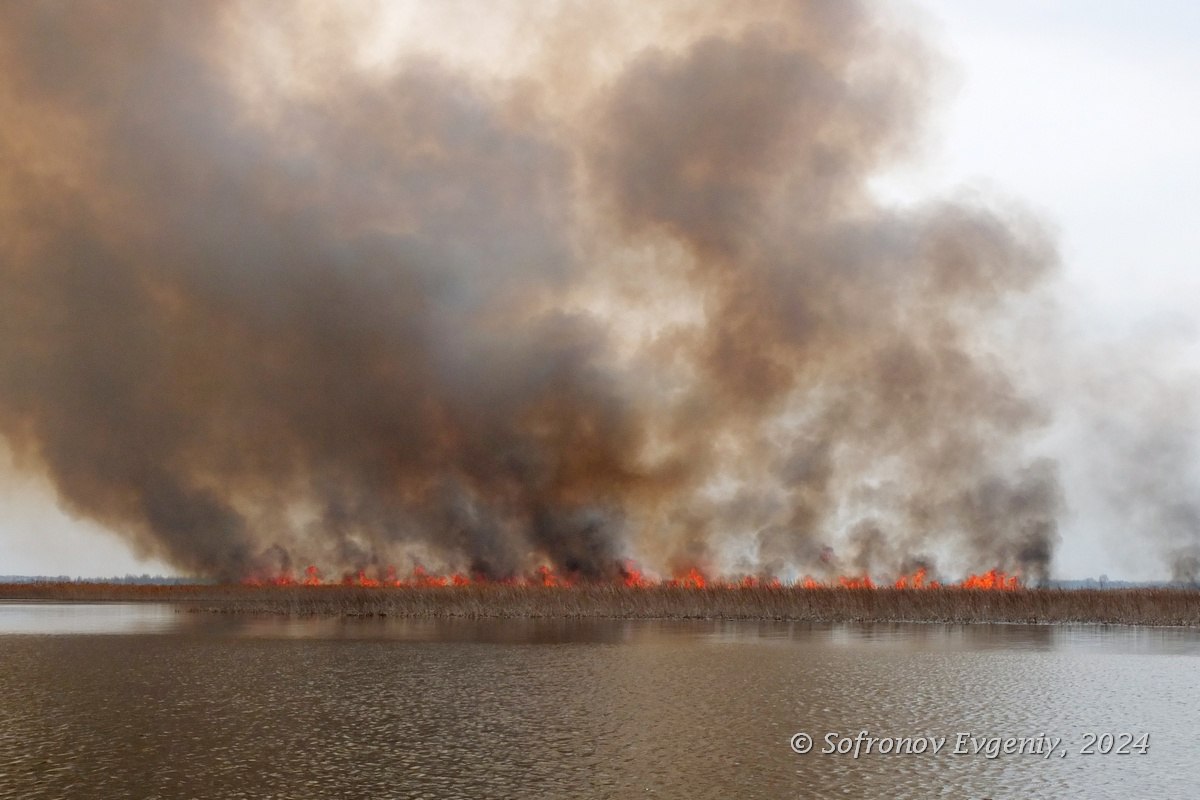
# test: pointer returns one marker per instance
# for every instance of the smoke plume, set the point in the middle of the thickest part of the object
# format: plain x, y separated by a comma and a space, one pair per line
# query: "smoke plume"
272, 296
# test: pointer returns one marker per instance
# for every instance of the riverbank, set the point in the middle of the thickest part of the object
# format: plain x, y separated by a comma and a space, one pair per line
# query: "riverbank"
1176, 607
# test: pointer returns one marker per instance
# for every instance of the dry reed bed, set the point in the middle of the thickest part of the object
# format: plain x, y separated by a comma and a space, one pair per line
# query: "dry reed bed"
1113, 606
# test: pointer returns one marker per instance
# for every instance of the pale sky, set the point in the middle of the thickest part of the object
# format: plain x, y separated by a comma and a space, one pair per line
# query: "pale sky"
1087, 112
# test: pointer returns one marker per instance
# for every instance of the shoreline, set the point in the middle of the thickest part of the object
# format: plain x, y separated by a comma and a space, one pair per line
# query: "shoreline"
1158, 607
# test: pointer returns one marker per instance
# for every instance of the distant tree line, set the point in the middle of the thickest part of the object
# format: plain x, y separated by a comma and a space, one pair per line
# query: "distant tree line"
129, 580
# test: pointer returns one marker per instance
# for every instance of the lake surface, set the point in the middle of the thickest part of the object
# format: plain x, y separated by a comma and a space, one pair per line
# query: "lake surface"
144, 701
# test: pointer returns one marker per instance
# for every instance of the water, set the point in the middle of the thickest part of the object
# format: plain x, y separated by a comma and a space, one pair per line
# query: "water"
143, 701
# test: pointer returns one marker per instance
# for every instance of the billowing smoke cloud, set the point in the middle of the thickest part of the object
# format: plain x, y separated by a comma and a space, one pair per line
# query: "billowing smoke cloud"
266, 301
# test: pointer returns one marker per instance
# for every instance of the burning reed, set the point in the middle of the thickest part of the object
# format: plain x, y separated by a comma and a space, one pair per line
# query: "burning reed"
1180, 607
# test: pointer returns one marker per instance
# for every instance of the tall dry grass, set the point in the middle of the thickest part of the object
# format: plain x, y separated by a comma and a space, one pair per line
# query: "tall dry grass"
951, 605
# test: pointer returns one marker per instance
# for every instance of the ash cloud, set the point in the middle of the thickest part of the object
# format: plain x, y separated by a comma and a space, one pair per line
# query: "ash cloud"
424, 313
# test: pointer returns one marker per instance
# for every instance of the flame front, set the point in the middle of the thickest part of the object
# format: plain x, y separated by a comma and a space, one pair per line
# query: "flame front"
992, 579
631, 576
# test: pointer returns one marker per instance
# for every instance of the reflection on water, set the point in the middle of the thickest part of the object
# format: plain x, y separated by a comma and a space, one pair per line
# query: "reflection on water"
36, 617
144, 701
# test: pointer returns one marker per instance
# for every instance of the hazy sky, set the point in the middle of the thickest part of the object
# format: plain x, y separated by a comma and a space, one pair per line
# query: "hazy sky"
1087, 112
1090, 113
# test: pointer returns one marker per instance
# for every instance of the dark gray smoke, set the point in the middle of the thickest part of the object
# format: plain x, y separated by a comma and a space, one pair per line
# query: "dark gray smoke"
629, 300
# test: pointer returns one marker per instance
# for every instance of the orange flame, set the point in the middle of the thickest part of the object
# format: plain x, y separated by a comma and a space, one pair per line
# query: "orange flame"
992, 579
422, 578
630, 575
692, 579
546, 577
914, 581
361, 579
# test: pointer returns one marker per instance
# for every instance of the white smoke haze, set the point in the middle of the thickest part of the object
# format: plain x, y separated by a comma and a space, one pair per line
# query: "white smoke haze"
487, 287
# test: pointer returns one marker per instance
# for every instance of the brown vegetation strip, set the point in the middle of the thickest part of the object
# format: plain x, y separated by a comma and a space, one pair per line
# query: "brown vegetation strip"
1115, 606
